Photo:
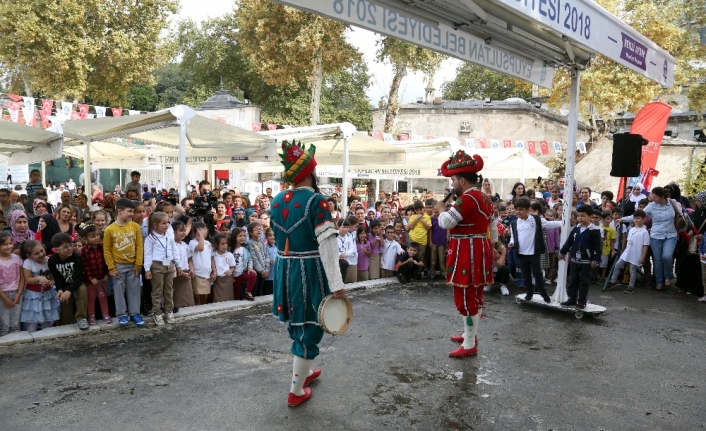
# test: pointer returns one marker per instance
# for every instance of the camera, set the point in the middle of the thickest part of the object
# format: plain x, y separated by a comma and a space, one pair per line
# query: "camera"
172, 197
203, 205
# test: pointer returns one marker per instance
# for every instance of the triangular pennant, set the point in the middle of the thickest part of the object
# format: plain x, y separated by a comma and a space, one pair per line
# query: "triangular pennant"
66, 108
532, 147
30, 118
29, 102
14, 109
83, 111
14, 97
545, 148
483, 143
117, 112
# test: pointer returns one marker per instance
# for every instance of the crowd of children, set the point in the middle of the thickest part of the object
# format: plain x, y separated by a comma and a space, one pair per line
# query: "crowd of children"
146, 259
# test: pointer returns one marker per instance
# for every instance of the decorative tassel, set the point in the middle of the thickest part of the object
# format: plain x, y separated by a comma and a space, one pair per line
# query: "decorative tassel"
286, 247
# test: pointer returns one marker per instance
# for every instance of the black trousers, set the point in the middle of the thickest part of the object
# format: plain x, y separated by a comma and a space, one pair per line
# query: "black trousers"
530, 265
579, 280
408, 269
343, 264
502, 276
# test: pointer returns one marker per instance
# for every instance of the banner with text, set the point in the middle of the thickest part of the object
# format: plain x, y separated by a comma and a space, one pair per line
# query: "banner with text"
442, 38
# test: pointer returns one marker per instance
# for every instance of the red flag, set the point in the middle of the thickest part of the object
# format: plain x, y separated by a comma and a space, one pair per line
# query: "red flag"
83, 111
378, 135
403, 137
483, 143
117, 112
271, 126
507, 143
532, 147
650, 122
544, 146
75, 115
256, 127
14, 97
47, 106
429, 137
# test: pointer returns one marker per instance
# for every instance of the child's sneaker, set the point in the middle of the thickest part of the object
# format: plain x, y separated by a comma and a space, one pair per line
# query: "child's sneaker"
580, 305
702, 299
569, 303
486, 288
630, 290
401, 278
170, 318
137, 320
92, 320
504, 290
82, 324
107, 319
122, 321
158, 320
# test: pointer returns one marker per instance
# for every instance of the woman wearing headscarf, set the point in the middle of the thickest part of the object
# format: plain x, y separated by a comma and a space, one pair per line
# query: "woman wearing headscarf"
48, 227
40, 208
19, 227
687, 275
631, 201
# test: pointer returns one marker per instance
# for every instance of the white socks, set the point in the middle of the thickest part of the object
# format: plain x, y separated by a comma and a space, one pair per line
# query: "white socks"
301, 369
470, 324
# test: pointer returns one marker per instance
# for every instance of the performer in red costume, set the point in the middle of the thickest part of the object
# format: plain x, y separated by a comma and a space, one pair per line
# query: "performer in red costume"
470, 255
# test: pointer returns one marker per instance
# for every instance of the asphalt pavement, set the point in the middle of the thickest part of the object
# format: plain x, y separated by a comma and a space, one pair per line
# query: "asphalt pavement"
639, 366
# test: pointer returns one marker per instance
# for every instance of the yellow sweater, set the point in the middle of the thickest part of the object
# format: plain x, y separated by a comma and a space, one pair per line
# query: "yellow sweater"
122, 245
418, 233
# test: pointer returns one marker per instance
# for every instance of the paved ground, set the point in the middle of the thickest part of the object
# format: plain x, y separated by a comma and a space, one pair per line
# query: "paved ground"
640, 366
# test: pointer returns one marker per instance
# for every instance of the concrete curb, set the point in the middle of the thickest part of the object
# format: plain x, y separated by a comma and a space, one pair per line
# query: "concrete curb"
184, 314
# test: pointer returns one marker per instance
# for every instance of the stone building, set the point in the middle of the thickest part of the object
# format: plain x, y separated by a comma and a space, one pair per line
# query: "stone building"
227, 107
513, 119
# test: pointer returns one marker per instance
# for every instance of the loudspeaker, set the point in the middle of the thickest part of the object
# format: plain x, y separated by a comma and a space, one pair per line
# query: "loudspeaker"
627, 155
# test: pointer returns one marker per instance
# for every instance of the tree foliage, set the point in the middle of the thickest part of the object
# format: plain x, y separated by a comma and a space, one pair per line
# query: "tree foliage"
71, 49
694, 179
404, 58
608, 88
284, 44
476, 82
697, 102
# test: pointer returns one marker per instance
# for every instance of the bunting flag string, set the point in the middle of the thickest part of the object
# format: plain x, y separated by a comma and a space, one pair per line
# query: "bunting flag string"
47, 108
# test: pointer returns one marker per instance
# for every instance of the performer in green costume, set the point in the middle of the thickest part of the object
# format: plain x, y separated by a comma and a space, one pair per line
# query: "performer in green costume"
307, 267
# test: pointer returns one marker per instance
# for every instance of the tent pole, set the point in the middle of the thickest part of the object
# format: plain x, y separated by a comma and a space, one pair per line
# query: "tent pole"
522, 174
346, 147
377, 188
182, 160
560, 293
87, 169
43, 165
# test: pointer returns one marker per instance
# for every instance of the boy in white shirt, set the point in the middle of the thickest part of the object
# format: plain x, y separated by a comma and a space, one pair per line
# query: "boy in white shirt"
635, 251
348, 253
201, 263
390, 250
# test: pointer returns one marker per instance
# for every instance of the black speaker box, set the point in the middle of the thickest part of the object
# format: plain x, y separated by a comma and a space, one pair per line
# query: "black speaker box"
627, 155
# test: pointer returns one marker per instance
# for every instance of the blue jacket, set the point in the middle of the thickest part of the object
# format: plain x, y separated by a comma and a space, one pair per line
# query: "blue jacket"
588, 243
702, 246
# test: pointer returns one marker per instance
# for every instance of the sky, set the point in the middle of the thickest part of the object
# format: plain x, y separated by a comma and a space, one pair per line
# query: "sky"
412, 85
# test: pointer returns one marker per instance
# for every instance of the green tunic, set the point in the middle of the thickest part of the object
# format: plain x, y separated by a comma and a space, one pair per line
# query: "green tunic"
300, 218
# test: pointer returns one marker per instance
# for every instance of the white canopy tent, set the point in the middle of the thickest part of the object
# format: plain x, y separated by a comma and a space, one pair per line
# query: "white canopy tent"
526, 40
21, 145
172, 136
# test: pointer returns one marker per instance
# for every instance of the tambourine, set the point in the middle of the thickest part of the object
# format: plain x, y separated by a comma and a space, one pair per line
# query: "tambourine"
335, 315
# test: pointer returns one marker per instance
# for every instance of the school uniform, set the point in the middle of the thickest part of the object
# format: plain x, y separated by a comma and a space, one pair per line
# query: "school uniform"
528, 241
584, 247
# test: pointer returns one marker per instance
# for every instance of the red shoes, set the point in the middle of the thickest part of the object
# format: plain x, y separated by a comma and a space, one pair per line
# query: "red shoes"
461, 352
460, 339
316, 372
295, 400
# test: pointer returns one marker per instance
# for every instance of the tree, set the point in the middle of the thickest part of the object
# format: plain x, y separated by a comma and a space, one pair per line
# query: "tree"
343, 99
172, 84
694, 179
70, 49
697, 102
608, 89
404, 57
284, 44
475, 82
142, 97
